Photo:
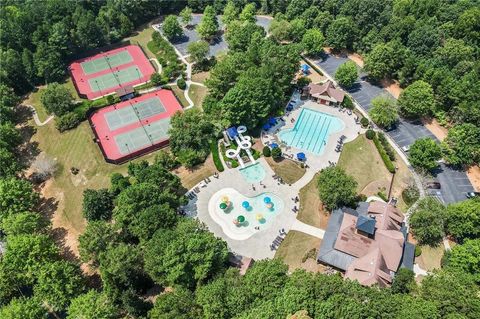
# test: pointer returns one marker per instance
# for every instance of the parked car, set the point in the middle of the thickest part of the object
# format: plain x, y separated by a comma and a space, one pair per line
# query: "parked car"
434, 185
472, 194
406, 148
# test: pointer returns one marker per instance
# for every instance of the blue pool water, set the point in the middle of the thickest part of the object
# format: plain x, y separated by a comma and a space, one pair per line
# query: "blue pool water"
311, 131
254, 173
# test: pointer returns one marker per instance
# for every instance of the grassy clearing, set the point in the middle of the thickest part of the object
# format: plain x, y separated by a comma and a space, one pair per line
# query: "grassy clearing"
311, 208
200, 77
288, 170
197, 94
194, 176
431, 257
361, 160
141, 37
293, 249
180, 95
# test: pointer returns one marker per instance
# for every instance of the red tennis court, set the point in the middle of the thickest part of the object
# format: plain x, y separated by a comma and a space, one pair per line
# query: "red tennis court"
134, 127
104, 73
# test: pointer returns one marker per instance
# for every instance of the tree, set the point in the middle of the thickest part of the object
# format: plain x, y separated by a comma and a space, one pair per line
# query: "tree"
463, 219
452, 293
462, 145
97, 204
16, 195
188, 256
198, 51
248, 13
336, 188
265, 279
98, 237
384, 60
92, 305
121, 268
427, 222
9, 136
466, 257
24, 308
10, 166
171, 27
384, 111
276, 153
341, 33
280, 30
417, 100
149, 220
404, 281
57, 99
240, 35
24, 223
313, 41
190, 130
424, 154
347, 74
208, 26
118, 183
230, 13
176, 304
58, 282
186, 16
87, 32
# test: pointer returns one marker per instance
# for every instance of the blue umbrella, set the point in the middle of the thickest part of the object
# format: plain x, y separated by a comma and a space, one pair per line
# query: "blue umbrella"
272, 121
266, 126
245, 204
301, 156
267, 200
273, 145
305, 68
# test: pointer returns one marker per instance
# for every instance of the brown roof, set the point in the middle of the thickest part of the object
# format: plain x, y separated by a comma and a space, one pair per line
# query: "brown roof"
326, 89
124, 90
379, 256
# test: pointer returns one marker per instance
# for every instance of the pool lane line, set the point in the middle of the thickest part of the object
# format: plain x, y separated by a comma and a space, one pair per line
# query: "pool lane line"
299, 120
307, 121
320, 133
325, 135
317, 120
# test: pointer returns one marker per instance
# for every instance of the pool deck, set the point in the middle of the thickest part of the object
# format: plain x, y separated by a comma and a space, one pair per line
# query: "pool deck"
315, 161
258, 245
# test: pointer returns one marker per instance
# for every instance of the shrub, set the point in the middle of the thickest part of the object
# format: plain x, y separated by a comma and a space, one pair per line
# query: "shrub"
276, 153
418, 250
216, 156
386, 145
166, 159
266, 151
386, 160
383, 196
67, 122
410, 195
370, 134
347, 103
157, 79
182, 85
364, 122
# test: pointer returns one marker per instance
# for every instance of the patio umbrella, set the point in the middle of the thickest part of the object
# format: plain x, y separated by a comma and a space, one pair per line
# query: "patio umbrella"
223, 206
245, 204
266, 126
272, 121
267, 200
225, 199
301, 156
273, 145
289, 108
305, 68
241, 219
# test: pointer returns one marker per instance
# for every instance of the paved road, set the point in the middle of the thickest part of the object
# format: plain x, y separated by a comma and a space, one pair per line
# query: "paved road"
454, 183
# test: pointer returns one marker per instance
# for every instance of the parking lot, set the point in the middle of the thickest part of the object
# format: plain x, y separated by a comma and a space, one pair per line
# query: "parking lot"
454, 183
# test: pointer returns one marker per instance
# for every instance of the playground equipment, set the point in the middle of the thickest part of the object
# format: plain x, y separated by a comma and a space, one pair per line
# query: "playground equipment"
225, 203
246, 205
243, 143
239, 220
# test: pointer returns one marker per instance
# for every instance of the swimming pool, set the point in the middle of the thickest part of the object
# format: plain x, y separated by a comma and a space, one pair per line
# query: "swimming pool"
311, 131
254, 173
257, 214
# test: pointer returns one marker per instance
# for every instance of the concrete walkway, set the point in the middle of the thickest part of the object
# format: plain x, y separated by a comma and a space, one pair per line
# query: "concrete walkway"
36, 118
419, 271
307, 229
158, 64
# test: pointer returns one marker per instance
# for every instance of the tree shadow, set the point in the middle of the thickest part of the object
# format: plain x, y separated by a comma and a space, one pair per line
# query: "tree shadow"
23, 114
29, 150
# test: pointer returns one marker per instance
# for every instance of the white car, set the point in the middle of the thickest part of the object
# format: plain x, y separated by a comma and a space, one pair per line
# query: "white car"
406, 148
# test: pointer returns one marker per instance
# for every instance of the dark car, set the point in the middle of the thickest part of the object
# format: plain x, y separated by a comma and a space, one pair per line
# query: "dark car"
434, 185
472, 194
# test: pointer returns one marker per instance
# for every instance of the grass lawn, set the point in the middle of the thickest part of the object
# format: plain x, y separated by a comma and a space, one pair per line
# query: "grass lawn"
197, 94
141, 37
288, 170
431, 257
361, 160
200, 77
293, 249
192, 177
311, 208
180, 95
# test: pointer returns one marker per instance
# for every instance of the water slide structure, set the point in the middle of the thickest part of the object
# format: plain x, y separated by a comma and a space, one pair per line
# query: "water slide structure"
244, 143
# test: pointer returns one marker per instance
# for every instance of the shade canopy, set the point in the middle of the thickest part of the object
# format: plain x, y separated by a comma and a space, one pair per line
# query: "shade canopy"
272, 121
305, 67
224, 199
223, 206
273, 145
301, 156
267, 200
266, 126
232, 132
241, 219
245, 204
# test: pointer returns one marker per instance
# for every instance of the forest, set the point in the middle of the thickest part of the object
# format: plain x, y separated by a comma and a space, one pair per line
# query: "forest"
146, 260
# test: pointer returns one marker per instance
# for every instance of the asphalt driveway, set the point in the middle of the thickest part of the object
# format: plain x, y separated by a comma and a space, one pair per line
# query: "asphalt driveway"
454, 183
